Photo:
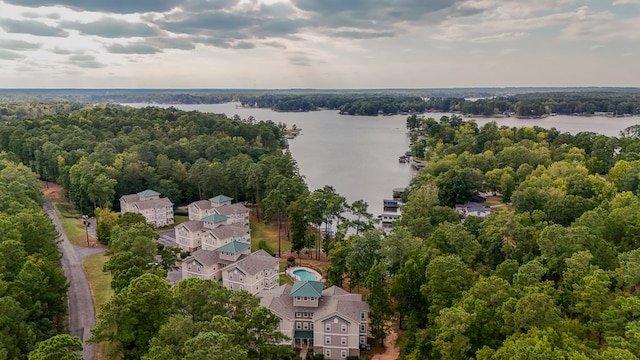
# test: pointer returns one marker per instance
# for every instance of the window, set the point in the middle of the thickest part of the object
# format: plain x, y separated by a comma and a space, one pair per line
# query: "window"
199, 268
327, 352
327, 327
230, 276
305, 326
311, 326
363, 340
305, 314
343, 354
343, 328
363, 327
304, 298
189, 266
363, 316
327, 340
298, 325
297, 314
297, 298
343, 340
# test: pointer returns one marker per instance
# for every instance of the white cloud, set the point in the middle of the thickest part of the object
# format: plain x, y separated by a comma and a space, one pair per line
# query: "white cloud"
625, 2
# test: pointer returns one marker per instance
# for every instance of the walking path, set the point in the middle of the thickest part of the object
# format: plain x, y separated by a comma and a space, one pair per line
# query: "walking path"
82, 314
392, 350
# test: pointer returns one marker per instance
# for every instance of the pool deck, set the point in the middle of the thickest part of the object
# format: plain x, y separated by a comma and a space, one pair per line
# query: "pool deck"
295, 277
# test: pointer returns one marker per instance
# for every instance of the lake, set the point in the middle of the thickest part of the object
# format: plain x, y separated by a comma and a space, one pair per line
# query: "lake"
358, 155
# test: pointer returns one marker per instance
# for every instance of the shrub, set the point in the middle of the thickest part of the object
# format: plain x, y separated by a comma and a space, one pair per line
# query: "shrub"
263, 245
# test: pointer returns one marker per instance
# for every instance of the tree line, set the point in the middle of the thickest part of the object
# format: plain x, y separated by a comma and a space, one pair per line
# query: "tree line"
523, 105
33, 288
348, 104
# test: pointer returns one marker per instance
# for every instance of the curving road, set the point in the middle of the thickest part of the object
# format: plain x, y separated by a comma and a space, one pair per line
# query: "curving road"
82, 314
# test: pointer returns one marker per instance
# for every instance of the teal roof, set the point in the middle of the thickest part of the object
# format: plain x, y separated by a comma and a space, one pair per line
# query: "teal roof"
233, 247
220, 199
215, 218
307, 288
148, 193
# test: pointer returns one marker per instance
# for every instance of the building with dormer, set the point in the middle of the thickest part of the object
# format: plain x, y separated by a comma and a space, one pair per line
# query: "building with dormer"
157, 211
235, 266
236, 213
331, 321
213, 223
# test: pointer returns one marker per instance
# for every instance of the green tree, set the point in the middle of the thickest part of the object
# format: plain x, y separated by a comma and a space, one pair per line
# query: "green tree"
59, 347
132, 317
363, 253
380, 311
446, 279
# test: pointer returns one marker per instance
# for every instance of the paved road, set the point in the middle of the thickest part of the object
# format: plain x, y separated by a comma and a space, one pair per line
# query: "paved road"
82, 314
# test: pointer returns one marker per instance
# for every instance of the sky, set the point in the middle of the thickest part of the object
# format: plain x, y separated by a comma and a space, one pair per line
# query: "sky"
332, 44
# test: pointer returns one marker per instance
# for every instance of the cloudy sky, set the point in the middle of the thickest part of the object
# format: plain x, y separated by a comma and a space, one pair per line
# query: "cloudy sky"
318, 43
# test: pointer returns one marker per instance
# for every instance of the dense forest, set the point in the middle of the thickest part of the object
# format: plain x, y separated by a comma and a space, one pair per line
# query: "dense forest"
100, 153
551, 273
32, 285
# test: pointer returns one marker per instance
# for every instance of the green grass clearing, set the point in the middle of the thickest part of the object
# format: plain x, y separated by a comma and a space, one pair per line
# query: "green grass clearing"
72, 223
268, 233
100, 284
177, 220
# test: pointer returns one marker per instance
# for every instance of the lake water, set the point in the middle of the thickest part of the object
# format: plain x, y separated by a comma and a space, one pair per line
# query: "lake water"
358, 155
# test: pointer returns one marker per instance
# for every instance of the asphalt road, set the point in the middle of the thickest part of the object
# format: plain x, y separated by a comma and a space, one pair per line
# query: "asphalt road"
82, 314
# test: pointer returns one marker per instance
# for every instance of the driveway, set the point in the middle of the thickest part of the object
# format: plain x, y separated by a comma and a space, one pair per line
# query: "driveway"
82, 314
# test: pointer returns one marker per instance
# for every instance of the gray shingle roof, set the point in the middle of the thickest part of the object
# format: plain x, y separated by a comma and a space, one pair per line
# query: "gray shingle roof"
205, 257
231, 209
202, 204
278, 301
341, 303
229, 231
257, 262
334, 302
192, 225
131, 198
153, 204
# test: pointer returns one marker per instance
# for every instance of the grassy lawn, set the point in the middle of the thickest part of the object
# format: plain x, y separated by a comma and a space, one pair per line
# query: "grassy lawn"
177, 220
72, 222
100, 283
268, 233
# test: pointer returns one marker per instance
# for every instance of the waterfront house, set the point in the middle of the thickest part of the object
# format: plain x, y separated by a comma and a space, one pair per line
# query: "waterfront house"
235, 266
157, 211
331, 322
473, 209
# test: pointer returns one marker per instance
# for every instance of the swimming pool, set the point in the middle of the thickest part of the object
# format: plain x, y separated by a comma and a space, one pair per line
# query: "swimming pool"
305, 275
